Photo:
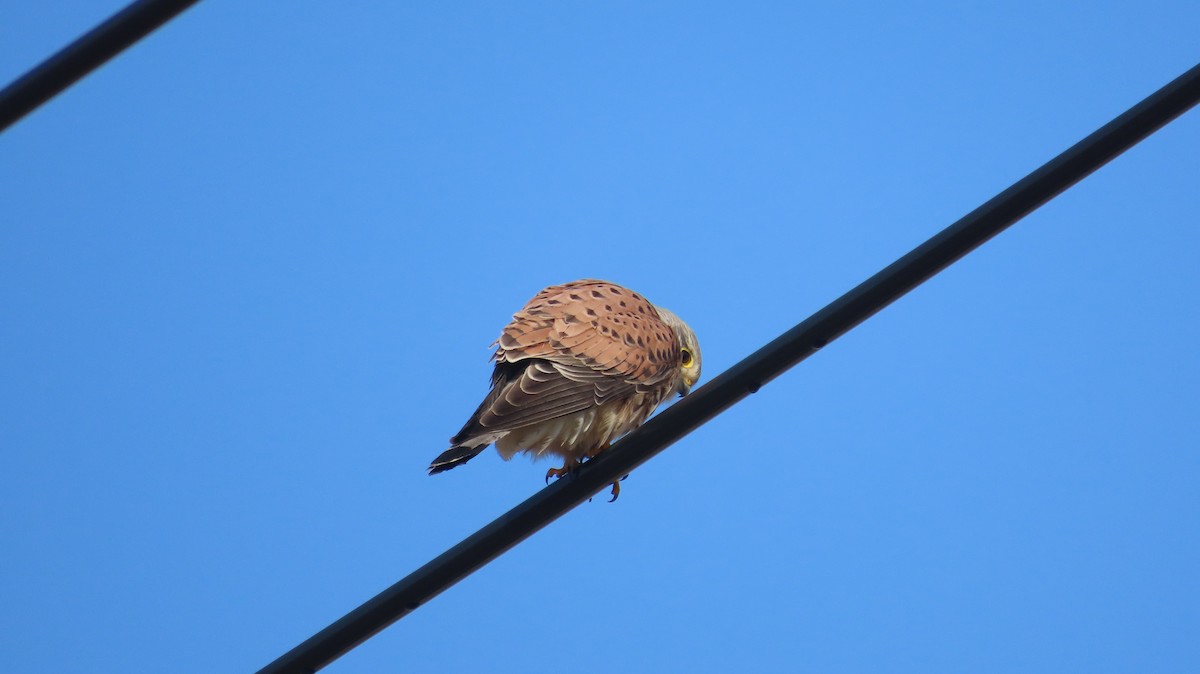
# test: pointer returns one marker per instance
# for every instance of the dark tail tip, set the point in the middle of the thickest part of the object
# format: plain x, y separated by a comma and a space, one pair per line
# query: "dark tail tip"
454, 457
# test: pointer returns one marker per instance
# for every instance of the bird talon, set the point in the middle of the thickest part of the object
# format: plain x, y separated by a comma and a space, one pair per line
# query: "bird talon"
616, 490
569, 469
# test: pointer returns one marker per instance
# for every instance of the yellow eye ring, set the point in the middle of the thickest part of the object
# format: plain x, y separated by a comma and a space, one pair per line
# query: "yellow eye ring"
685, 358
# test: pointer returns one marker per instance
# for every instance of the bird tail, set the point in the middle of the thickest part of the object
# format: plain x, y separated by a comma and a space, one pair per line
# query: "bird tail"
454, 457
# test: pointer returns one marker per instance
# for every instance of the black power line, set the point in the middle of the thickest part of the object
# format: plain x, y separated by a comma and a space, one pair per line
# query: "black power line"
84, 55
746, 377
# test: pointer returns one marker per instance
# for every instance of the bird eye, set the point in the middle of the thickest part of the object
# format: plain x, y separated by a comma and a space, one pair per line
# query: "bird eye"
686, 358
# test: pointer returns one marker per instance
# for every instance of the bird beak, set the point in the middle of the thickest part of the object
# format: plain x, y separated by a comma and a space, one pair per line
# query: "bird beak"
683, 388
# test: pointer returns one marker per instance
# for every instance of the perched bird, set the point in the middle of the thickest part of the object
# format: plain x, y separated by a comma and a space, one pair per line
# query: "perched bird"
581, 365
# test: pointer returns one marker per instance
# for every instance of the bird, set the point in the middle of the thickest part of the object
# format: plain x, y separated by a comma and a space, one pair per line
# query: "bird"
582, 364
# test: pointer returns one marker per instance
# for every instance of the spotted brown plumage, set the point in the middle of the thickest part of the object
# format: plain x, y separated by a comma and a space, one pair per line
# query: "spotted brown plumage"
580, 365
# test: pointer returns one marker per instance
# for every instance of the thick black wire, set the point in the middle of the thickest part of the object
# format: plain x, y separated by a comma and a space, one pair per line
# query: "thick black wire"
84, 55
746, 377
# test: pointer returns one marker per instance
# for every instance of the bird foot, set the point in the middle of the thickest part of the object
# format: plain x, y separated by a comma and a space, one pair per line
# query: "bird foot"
572, 466
569, 469
616, 490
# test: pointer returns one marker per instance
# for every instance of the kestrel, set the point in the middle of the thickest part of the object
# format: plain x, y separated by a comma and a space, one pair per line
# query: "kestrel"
581, 365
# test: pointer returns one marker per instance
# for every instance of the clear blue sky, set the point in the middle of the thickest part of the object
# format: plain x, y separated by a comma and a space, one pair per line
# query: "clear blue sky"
249, 272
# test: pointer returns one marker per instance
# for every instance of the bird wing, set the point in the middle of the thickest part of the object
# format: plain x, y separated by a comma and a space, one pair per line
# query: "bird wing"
573, 347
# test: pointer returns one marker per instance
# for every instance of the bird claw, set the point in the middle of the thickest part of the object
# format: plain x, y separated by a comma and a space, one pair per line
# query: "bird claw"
569, 468
616, 491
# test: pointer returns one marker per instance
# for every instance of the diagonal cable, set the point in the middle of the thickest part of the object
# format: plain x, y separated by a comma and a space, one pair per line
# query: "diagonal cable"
745, 377
92, 50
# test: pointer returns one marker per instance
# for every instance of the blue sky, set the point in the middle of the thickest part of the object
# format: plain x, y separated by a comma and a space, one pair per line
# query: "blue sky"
250, 270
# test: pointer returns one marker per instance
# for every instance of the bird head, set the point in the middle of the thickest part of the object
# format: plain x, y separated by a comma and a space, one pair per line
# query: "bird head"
689, 352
